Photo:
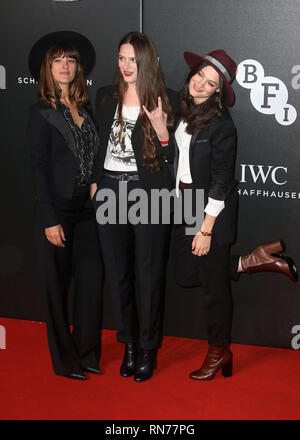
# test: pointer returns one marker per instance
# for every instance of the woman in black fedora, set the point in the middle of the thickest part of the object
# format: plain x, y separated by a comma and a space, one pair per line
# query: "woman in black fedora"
63, 143
205, 153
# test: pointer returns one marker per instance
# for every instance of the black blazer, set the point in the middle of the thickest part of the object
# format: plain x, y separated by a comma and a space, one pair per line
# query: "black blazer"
212, 163
106, 104
53, 158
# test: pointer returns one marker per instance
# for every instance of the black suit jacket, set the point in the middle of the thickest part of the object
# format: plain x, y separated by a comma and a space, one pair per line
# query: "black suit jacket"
106, 104
212, 162
53, 158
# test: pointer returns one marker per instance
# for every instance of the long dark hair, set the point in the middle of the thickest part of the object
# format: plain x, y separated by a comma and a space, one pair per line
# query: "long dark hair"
199, 116
49, 90
150, 85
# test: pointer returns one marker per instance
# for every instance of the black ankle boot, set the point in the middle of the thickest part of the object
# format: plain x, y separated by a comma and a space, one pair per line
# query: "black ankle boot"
147, 362
128, 366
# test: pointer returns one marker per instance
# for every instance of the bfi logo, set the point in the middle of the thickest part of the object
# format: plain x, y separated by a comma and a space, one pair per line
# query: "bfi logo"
2, 338
268, 94
276, 174
2, 78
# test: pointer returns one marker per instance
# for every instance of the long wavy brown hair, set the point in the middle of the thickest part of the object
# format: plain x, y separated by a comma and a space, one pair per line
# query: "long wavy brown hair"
49, 90
150, 85
199, 116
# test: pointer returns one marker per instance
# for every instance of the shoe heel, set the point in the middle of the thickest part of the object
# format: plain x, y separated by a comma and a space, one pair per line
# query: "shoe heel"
227, 369
292, 266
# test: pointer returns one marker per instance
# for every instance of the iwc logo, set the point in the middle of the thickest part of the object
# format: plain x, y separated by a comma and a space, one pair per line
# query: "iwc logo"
268, 94
265, 181
262, 173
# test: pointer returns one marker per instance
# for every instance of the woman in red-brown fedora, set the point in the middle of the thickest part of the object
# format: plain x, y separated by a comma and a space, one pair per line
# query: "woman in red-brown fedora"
205, 154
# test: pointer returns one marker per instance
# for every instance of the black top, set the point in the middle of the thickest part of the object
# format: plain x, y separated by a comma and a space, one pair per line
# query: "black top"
86, 141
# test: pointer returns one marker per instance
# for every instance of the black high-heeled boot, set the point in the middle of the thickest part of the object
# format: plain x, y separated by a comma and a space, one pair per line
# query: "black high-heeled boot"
128, 366
147, 362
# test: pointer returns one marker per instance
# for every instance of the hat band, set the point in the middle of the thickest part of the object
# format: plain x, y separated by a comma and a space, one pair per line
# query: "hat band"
219, 66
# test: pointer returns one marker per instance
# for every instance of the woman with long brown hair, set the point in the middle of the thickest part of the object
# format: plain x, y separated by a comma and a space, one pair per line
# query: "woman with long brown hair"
63, 142
135, 154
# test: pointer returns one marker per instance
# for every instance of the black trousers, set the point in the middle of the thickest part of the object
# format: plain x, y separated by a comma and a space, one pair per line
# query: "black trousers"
214, 272
135, 256
81, 259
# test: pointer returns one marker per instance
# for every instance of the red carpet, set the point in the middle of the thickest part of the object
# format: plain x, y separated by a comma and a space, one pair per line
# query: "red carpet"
265, 383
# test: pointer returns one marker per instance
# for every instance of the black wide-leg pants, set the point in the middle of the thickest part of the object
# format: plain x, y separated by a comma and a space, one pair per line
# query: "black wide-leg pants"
214, 273
135, 257
81, 260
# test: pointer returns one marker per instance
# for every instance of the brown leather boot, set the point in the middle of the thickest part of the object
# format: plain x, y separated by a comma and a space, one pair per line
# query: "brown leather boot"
268, 258
216, 358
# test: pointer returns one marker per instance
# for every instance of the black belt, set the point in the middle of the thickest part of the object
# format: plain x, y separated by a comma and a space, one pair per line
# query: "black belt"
125, 177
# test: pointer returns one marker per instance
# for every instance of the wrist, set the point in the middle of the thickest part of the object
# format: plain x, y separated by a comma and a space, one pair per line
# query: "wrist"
206, 233
163, 136
208, 223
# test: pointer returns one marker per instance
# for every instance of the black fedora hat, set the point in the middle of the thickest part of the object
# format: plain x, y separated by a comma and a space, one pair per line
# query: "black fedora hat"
78, 41
222, 63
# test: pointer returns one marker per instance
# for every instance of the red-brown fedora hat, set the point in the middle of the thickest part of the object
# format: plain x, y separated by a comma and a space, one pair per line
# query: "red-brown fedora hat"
222, 63
78, 41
